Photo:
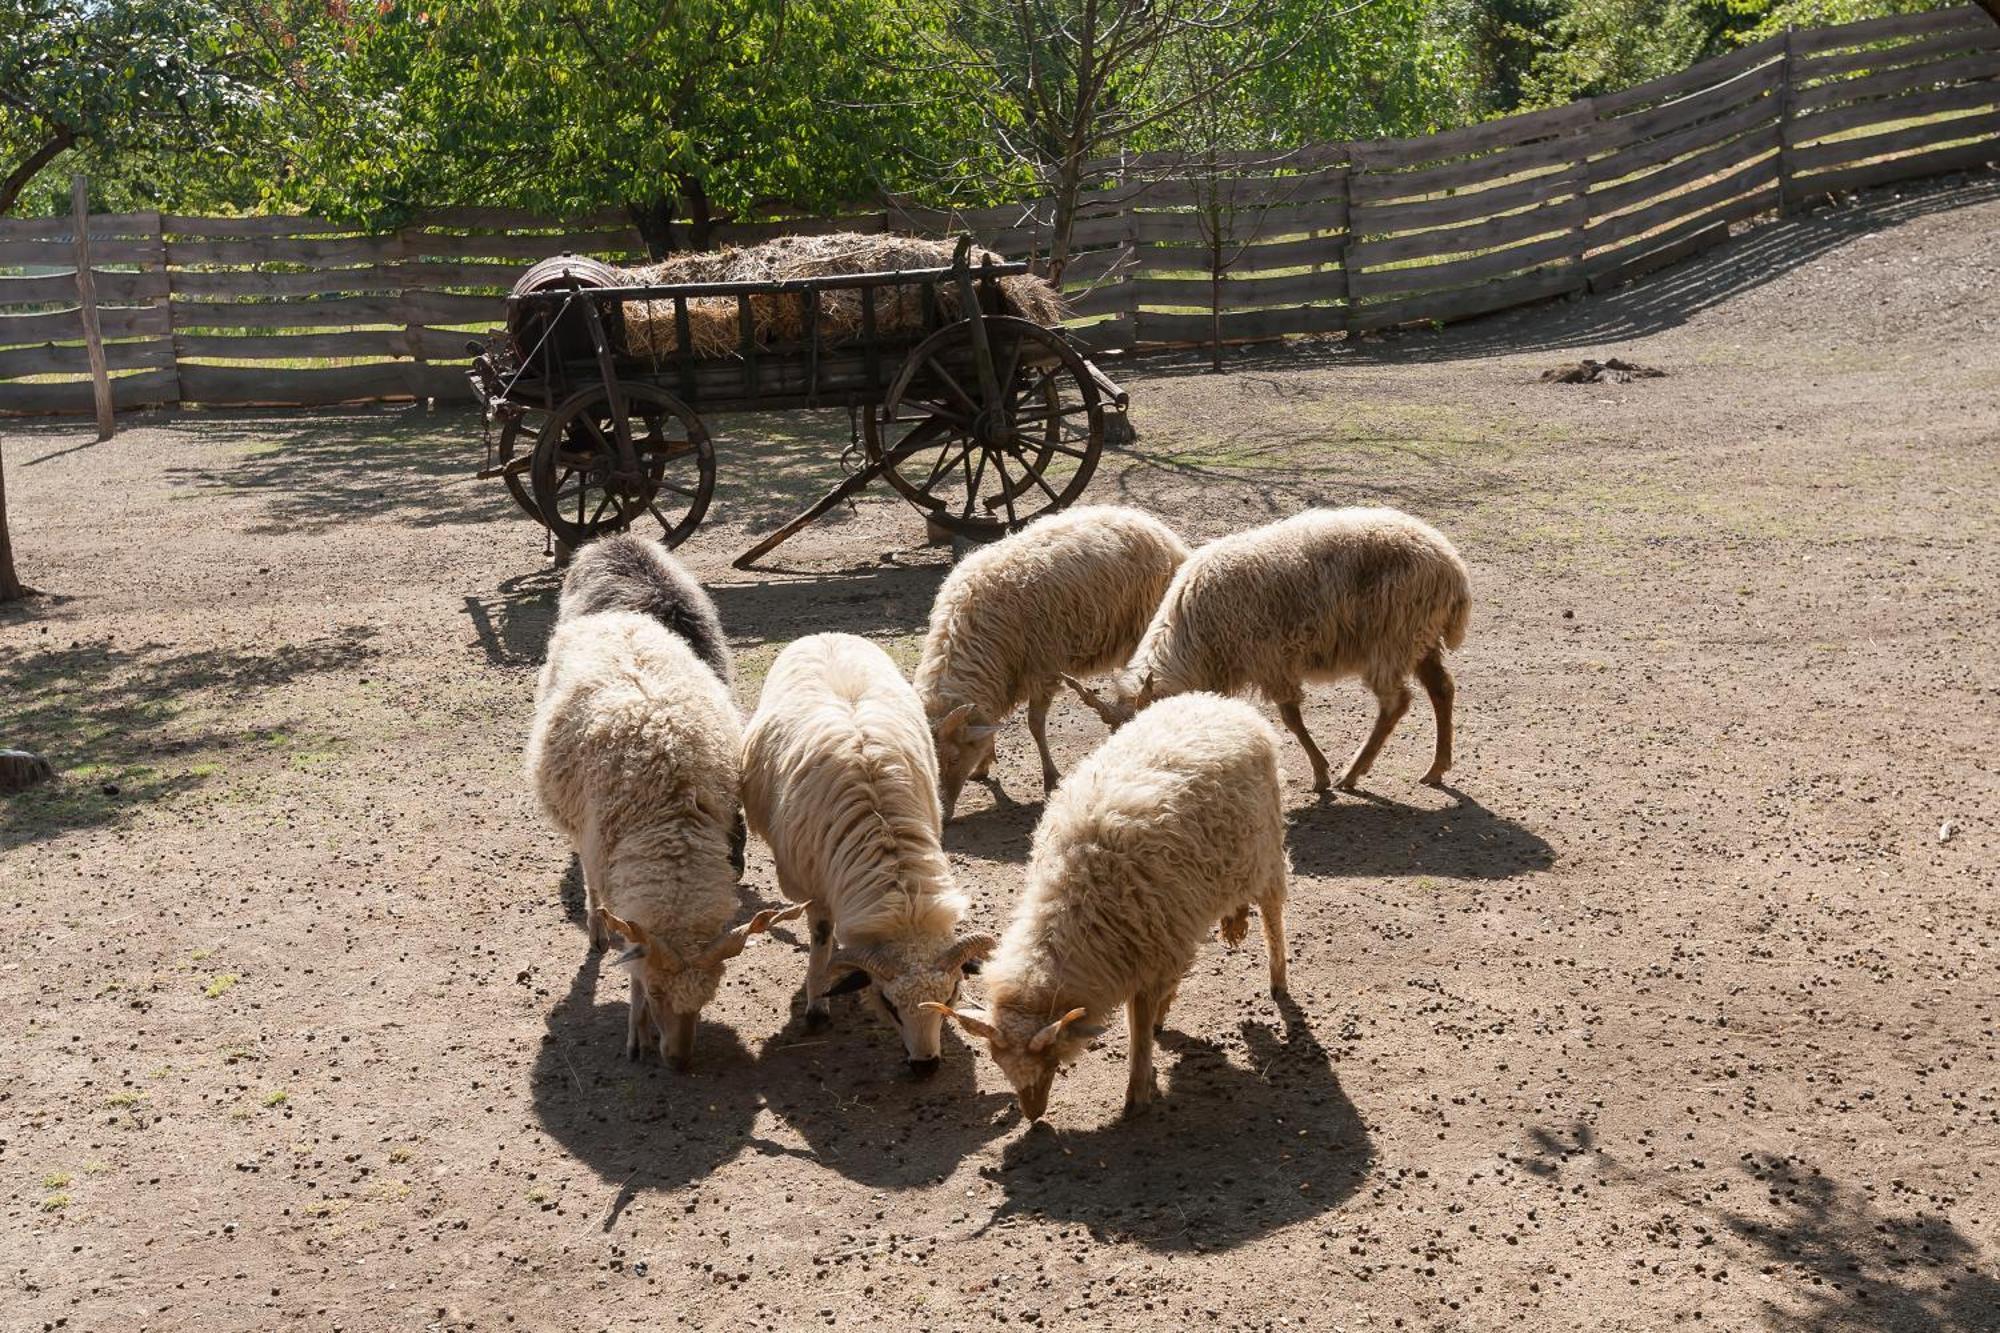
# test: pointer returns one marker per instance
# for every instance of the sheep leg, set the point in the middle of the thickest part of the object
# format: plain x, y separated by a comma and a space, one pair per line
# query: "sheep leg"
1391, 707
1437, 683
1297, 726
638, 1020
593, 899
1139, 1018
1272, 911
1166, 1003
819, 961
1038, 727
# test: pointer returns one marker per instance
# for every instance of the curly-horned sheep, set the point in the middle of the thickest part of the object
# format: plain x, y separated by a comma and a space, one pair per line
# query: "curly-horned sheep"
624, 572
634, 752
1173, 826
839, 777
1330, 593
1070, 594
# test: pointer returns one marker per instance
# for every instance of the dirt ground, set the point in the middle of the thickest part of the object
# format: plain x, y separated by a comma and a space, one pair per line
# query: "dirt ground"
1678, 1011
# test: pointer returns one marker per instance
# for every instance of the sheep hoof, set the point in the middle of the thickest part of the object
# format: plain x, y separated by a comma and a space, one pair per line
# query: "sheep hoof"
1434, 778
1350, 783
1136, 1110
818, 1020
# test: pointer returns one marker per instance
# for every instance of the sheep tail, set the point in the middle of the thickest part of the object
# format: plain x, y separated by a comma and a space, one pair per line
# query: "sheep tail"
1456, 618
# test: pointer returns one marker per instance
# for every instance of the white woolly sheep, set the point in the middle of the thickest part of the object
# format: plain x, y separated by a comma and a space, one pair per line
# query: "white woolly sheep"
634, 753
1319, 596
1174, 825
1070, 594
839, 777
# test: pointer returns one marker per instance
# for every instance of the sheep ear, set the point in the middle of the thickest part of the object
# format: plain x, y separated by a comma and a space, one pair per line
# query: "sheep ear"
857, 978
969, 1019
967, 951
952, 723
631, 930
1092, 698
1146, 690
730, 942
979, 731
1046, 1037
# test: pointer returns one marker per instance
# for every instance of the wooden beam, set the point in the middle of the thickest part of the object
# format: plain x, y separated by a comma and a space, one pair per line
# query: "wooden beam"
1992, 8
86, 293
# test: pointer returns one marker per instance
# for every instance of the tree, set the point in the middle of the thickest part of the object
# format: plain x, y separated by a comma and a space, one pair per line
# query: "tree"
11, 587
696, 110
114, 76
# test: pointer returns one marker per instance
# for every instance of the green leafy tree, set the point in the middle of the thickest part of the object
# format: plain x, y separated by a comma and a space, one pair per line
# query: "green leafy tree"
112, 77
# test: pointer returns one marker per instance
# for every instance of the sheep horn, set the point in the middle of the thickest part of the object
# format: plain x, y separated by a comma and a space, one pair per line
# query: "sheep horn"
1091, 697
967, 1019
730, 942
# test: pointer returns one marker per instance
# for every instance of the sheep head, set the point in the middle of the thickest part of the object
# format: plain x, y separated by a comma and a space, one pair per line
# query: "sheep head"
964, 740
1120, 704
677, 985
906, 982
1028, 1050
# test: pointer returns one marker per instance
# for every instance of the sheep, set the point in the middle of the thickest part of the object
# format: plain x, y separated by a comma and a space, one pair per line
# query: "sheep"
1171, 826
1072, 593
839, 777
622, 572
634, 754
1368, 592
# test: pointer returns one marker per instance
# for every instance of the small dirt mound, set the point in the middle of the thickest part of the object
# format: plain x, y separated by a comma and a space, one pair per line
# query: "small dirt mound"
1590, 372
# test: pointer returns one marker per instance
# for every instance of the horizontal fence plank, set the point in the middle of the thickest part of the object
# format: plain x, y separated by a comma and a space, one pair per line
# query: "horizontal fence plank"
51, 359
373, 344
1614, 270
451, 308
61, 325
1561, 214
1240, 257
1242, 326
1380, 184
597, 244
62, 228
148, 388
1730, 210
1841, 152
1978, 65
423, 273
1412, 215
1506, 132
1673, 87
62, 254
222, 285
261, 386
1760, 115
1913, 166
322, 251
1238, 293
516, 219
1817, 72
1811, 41
1749, 181
1095, 265
197, 228
111, 287
433, 344
1238, 191
1760, 84
1466, 303
339, 311
1721, 158
1910, 106
1458, 272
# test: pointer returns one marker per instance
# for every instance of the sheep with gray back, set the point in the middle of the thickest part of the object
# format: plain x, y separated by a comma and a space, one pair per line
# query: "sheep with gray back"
1319, 596
1174, 826
839, 777
1070, 594
623, 572
634, 754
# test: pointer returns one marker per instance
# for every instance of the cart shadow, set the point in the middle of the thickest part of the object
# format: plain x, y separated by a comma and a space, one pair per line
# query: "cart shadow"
1227, 1153
846, 1091
512, 625
871, 601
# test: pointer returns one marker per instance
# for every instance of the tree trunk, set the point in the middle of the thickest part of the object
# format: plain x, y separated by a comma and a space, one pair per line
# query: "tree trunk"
11, 587
1992, 8
701, 215
655, 221
17, 180
1068, 183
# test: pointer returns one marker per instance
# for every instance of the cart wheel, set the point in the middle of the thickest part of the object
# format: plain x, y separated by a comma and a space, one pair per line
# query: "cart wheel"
517, 480
977, 470
582, 489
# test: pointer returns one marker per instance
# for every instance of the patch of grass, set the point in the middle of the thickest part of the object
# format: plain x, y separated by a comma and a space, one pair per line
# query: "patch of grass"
96, 1168
276, 1097
56, 1180
129, 1097
55, 1203
399, 1155
220, 985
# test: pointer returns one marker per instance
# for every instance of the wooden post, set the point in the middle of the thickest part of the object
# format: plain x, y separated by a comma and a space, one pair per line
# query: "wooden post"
11, 587
1787, 95
1348, 311
1585, 178
86, 291
164, 303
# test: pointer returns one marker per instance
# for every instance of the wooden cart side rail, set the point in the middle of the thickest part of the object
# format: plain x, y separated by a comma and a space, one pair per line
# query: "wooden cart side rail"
695, 291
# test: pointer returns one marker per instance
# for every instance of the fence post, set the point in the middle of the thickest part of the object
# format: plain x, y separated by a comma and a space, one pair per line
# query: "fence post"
1787, 96
86, 293
1346, 273
1586, 177
164, 303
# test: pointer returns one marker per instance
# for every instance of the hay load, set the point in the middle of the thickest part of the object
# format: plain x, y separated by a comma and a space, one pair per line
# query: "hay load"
712, 321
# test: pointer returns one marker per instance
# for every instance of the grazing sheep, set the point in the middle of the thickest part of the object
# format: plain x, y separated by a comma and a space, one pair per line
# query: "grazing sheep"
627, 573
1069, 594
623, 572
634, 753
1174, 825
1325, 594
840, 779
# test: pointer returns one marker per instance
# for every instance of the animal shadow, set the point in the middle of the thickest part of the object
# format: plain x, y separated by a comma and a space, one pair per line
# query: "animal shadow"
1227, 1153
848, 1093
1375, 838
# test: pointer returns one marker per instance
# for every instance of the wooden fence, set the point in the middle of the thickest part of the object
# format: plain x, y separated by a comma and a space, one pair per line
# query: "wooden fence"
1337, 238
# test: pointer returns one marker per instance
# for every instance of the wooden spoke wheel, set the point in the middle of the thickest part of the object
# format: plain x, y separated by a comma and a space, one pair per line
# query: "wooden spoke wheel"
584, 485
978, 468
517, 479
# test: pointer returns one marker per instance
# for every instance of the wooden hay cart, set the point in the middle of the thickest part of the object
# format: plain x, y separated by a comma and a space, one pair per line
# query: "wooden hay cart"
982, 420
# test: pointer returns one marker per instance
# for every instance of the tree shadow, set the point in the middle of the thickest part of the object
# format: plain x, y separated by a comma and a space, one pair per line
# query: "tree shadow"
870, 600
512, 625
1856, 1267
636, 1121
1228, 1153
1378, 838
126, 727
847, 1092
